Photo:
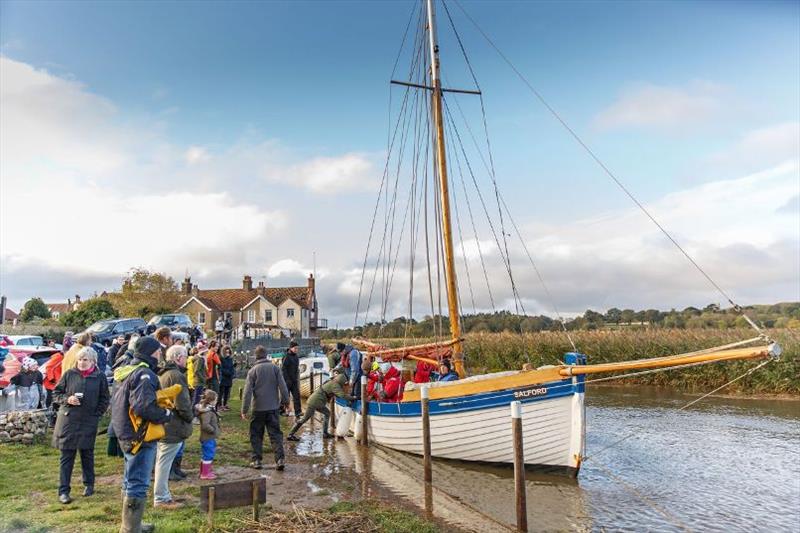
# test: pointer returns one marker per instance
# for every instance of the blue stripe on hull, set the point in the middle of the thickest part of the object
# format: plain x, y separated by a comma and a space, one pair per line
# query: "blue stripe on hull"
487, 400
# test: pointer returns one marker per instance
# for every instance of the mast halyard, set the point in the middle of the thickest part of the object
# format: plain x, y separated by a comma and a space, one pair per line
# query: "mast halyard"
444, 199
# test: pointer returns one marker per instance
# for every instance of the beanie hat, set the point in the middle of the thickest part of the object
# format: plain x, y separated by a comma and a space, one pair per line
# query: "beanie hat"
339, 346
293, 344
146, 346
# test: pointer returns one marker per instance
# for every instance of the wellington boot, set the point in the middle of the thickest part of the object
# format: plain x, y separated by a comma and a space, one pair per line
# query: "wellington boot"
132, 511
176, 467
207, 470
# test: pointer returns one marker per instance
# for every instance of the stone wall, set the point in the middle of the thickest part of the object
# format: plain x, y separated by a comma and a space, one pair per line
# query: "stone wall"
25, 427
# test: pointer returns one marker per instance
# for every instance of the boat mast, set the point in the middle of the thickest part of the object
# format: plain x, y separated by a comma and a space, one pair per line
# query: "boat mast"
444, 199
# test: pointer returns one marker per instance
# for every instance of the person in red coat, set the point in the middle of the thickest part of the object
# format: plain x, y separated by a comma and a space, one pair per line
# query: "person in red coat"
392, 386
374, 383
423, 372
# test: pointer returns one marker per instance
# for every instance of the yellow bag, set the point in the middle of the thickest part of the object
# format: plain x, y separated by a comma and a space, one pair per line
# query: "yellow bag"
147, 431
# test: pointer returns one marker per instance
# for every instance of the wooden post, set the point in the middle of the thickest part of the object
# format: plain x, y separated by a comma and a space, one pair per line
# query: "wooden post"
426, 434
255, 500
364, 409
211, 495
519, 467
241, 393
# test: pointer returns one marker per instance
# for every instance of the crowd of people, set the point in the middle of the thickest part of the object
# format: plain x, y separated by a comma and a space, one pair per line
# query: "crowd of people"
162, 388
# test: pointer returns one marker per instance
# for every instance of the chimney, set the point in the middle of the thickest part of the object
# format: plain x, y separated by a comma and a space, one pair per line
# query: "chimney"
2, 309
262, 289
247, 283
77, 299
69, 302
195, 290
186, 286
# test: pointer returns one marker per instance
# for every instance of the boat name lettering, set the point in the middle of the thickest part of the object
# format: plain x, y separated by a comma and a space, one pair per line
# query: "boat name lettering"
527, 393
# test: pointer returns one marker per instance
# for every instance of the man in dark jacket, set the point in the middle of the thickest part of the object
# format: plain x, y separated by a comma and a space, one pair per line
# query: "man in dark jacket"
290, 367
135, 390
176, 430
266, 390
318, 402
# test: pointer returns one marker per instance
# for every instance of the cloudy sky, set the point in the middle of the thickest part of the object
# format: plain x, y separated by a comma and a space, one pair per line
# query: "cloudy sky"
233, 138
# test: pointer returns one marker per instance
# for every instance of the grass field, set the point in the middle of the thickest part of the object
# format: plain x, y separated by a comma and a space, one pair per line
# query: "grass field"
29, 486
492, 352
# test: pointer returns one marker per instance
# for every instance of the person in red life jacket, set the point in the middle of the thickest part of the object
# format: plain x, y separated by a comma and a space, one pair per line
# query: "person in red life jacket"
374, 383
50, 381
423, 372
392, 385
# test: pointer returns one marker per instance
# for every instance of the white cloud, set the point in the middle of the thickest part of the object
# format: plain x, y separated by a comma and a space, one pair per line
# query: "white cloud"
662, 107
760, 148
196, 154
328, 175
472, 249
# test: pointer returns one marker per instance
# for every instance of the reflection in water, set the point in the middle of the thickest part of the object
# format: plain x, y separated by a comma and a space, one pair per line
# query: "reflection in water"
723, 465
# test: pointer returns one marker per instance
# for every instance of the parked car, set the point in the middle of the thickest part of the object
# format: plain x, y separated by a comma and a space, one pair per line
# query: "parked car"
181, 325
175, 322
104, 331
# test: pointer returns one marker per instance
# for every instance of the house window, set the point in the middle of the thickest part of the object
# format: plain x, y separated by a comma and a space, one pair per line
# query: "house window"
290, 313
268, 315
251, 315
201, 317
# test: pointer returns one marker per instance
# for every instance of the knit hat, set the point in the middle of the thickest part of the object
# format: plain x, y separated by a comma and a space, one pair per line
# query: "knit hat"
293, 344
339, 346
29, 363
146, 346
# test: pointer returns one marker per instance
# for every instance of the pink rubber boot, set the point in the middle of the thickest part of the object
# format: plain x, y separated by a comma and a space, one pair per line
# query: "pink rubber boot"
207, 470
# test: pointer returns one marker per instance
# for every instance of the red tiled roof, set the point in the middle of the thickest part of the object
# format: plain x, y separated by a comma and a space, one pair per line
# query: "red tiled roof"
59, 308
235, 299
10, 315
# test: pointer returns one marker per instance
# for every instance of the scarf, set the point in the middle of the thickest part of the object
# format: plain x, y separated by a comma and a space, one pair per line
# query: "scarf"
85, 373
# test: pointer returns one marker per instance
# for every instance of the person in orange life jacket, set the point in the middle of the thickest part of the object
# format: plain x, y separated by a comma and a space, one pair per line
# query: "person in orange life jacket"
50, 382
392, 384
446, 373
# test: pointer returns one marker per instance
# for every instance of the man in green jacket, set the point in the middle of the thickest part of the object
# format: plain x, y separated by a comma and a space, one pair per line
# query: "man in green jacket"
318, 402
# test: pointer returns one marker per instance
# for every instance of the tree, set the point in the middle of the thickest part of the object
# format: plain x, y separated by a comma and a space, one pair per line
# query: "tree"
34, 308
614, 315
90, 312
146, 293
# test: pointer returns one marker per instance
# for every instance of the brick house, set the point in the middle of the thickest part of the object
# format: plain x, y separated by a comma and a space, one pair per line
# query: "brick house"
58, 309
262, 308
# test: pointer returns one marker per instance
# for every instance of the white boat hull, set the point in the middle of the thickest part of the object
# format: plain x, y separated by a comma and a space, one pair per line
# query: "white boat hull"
553, 427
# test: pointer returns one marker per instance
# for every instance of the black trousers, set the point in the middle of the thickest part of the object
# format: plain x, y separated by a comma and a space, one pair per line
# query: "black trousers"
270, 420
68, 461
224, 395
294, 390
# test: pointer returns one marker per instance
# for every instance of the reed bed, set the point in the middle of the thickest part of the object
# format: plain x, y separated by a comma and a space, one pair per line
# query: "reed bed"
493, 352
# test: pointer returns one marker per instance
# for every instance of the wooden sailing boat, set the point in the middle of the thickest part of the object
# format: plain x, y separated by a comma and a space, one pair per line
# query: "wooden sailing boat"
469, 418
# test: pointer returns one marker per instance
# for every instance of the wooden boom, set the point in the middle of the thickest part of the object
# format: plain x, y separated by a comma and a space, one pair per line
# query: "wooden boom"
754, 352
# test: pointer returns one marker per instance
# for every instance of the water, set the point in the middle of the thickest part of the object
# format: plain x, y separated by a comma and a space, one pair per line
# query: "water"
721, 465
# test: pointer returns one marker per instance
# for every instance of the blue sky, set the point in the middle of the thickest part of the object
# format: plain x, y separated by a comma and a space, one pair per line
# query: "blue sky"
672, 95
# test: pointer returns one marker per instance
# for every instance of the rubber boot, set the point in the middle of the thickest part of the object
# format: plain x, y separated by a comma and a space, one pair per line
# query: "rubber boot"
175, 472
132, 512
207, 470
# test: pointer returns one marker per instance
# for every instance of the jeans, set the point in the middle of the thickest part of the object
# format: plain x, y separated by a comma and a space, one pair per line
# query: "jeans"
198, 393
294, 390
272, 421
138, 468
180, 450
165, 454
66, 464
208, 449
213, 384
